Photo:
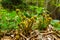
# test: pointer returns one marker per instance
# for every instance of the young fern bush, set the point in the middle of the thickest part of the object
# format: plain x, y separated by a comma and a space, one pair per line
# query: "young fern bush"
43, 21
26, 26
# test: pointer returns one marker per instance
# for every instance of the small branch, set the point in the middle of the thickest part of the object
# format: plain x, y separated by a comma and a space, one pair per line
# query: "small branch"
54, 37
23, 35
47, 33
33, 36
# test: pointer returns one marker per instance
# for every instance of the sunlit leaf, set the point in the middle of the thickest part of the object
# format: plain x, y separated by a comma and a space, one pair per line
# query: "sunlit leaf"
39, 10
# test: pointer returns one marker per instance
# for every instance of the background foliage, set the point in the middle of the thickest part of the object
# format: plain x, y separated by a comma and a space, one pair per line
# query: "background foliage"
38, 12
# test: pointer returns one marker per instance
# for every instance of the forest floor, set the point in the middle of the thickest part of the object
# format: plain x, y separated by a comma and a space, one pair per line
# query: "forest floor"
48, 34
